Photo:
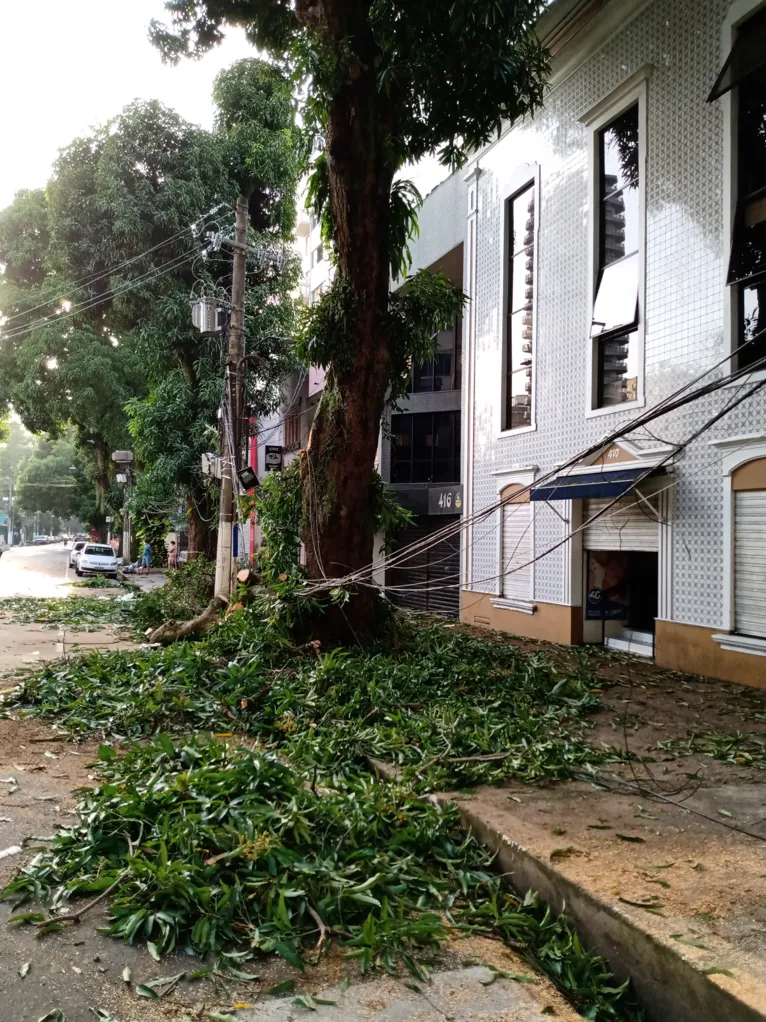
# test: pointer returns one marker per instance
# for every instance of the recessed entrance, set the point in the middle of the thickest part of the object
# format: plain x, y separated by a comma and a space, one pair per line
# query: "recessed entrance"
621, 545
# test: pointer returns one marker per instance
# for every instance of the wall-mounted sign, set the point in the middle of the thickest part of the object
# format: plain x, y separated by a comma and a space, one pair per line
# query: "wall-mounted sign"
445, 500
272, 458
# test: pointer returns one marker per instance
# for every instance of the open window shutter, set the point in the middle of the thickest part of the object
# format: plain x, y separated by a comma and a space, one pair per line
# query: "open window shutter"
750, 562
517, 551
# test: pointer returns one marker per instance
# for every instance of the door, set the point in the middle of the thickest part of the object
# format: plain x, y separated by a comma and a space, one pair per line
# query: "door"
430, 579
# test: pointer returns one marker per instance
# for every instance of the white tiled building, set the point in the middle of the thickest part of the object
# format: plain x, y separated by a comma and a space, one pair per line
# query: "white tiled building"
611, 251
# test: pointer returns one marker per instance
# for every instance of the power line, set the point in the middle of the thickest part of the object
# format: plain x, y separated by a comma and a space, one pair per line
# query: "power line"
670, 403
144, 279
113, 269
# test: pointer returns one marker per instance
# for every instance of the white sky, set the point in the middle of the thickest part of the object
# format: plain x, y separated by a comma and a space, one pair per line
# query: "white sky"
70, 64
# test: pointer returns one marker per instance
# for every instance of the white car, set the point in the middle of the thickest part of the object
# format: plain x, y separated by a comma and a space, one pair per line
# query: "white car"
76, 548
97, 559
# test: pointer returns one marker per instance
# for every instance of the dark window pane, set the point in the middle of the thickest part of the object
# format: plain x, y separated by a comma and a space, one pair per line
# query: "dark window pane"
616, 302
401, 448
423, 378
617, 369
752, 134
748, 248
747, 56
619, 153
523, 219
753, 322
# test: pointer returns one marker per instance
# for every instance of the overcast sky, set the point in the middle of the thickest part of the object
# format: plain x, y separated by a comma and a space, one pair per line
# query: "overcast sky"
70, 64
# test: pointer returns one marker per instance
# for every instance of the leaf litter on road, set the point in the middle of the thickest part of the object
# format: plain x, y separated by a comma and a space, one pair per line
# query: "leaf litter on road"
229, 848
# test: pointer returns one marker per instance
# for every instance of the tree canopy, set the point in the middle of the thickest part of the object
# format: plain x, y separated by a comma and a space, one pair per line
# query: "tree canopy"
102, 265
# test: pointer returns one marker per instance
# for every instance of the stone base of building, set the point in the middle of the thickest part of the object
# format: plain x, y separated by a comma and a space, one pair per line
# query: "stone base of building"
692, 649
687, 648
552, 622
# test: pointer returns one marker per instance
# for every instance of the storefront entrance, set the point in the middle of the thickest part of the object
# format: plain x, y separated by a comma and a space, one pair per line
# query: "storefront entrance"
621, 546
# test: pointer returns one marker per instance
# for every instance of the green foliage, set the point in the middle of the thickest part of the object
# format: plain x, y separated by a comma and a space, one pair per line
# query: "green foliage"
426, 303
185, 594
225, 849
131, 370
81, 613
278, 509
54, 480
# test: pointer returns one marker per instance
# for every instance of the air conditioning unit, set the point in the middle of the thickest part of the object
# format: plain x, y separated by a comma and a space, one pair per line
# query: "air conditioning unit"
205, 316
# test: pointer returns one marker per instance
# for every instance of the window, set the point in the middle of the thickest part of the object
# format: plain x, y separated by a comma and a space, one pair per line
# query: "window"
517, 547
317, 255
745, 72
292, 427
615, 309
425, 448
520, 316
443, 372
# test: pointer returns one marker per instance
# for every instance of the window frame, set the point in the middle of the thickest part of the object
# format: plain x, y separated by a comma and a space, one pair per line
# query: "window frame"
526, 175
455, 377
739, 13
632, 92
738, 451
523, 476
455, 456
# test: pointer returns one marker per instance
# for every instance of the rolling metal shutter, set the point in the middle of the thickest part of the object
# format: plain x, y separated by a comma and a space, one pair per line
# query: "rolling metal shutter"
627, 525
750, 562
433, 574
517, 551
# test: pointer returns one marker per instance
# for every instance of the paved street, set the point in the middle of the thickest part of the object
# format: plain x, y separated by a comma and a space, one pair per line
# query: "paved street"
35, 571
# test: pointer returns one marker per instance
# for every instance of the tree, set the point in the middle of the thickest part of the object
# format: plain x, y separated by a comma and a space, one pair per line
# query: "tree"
54, 481
386, 82
119, 231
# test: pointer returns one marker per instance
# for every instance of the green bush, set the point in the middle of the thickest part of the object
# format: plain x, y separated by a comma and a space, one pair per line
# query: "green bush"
185, 594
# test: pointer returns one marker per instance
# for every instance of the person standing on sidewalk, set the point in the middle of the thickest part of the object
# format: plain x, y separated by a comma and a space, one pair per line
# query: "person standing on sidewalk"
146, 559
172, 556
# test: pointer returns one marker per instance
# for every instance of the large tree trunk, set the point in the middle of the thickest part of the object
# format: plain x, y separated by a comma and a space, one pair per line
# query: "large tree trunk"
338, 464
199, 517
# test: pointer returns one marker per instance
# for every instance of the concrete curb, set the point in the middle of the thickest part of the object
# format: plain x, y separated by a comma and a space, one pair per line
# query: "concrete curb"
668, 986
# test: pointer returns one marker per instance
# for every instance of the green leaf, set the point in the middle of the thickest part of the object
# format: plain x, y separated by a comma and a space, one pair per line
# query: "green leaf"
288, 952
106, 753
715, 970
285, 987
146, 991
152, 949
305, 1001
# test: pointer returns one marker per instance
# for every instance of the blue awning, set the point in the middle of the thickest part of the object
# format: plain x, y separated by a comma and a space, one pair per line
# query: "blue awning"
613, 483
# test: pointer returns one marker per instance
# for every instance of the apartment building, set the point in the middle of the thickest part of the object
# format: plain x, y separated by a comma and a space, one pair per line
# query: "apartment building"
613, 251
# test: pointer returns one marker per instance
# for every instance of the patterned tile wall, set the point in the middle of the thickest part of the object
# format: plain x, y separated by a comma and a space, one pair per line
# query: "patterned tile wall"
686, 255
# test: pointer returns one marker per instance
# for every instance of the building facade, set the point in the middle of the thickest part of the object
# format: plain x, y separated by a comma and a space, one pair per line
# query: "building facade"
613, 252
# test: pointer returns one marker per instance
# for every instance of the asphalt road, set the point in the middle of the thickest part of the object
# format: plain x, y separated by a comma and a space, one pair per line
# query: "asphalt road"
35, 570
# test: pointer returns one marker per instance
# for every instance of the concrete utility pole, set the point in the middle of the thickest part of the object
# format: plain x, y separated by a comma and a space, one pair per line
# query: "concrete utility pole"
233, 408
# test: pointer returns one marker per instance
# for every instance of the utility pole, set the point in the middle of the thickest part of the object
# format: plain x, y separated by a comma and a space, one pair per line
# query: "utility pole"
233, 407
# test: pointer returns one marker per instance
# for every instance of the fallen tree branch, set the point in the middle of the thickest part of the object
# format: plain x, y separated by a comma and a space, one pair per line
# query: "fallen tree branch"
323, 931
75, 917
488, 758
172, 631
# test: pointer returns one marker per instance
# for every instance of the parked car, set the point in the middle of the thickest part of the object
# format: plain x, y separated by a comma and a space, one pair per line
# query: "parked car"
76, 549
40, 540
97, 559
